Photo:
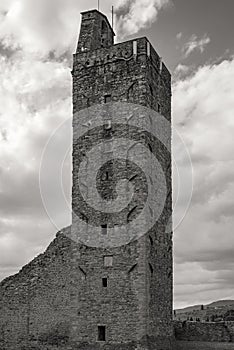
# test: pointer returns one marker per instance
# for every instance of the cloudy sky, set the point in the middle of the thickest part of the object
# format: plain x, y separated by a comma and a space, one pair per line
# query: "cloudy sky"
195, 39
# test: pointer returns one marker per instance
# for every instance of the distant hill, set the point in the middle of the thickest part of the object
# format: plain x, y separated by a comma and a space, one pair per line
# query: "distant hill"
221, 303
210, 311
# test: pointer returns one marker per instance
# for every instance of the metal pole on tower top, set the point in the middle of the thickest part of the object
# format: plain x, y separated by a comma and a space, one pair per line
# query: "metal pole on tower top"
112, 18
98, 4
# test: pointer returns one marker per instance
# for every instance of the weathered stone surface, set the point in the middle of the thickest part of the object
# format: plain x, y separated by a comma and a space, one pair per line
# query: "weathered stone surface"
136, 308
35, 303
204, 331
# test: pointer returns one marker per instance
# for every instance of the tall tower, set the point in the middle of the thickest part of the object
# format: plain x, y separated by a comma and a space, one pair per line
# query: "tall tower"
123, 295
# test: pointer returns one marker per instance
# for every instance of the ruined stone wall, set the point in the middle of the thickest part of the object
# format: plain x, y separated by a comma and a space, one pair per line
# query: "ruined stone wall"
204, 331
230, 326
35, 303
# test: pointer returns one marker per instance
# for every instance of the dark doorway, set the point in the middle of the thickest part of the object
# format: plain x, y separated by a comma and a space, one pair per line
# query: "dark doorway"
104, 282
101, 333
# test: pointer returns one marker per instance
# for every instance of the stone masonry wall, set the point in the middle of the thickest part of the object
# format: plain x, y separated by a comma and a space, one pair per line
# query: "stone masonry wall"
95, 32
138, 301
140, 78
34, 304
206, 332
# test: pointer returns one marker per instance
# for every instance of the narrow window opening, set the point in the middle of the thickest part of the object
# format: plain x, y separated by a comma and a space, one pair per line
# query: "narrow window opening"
107, 98
151, 240
151, 90
104, 229
104, 282
151, 269
159, 108
102, 333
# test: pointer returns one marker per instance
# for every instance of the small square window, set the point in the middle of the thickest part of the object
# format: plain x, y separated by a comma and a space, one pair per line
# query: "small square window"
101, 333
104, 229
108, 260
104, 282
107, 98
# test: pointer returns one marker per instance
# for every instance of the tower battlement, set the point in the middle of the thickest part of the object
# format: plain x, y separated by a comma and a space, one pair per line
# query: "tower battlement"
123, 51
95, 32
120, 68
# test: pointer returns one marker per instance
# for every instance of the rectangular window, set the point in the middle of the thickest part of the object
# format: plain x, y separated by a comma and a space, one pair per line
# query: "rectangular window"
101, 333
159, 108
104, 282
104, 229
107, 98
108, 260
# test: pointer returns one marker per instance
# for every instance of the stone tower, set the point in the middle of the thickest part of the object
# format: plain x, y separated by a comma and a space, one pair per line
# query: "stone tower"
122, 297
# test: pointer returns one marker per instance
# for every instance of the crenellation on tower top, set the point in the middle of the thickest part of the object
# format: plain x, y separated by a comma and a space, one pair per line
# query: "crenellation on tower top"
120, 68
95, 32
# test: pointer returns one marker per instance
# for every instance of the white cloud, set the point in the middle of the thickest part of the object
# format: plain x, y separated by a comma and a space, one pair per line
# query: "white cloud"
181, 70
40, 27
195, 44
204, 243
36, 97
135, 15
